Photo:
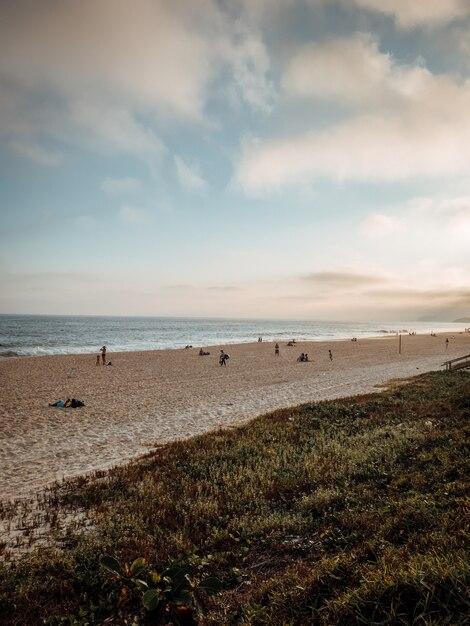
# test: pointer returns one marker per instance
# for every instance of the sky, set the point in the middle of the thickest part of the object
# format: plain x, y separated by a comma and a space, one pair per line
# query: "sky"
291, 159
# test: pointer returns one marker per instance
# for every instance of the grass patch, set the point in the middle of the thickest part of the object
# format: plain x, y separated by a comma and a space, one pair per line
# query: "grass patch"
343, 512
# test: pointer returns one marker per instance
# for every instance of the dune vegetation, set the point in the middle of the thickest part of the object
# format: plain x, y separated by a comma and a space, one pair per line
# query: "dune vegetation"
352, 511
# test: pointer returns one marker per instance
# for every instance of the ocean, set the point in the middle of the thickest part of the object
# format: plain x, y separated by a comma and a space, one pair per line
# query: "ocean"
28, 335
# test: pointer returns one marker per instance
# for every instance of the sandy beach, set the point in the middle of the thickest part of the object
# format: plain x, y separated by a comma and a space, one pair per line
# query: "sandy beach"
145, 399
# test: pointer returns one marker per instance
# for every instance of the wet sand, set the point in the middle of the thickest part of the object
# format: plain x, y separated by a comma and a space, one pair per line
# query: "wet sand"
146, 399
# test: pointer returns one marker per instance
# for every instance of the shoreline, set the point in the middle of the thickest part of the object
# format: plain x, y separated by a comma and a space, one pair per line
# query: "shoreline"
29, 348
148, 398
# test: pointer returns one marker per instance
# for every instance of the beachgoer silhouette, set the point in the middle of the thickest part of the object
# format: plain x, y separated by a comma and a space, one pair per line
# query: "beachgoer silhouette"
330, 355
447, 343
223, 358
103, 355
276, 349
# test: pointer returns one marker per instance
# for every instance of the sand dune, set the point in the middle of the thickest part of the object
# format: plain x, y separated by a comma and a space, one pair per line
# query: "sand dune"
149, 398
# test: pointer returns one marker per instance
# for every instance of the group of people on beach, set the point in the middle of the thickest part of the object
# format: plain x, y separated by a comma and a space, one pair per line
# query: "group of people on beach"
101, 360
223, 356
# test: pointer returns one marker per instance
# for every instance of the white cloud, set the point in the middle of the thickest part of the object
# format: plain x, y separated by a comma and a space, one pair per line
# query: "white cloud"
449, 216
133, 215
416, 124
157, 60
153, 54
378, 225
411, 13
249, 64
367, 148
111, 131
189, 176
429, 233
349, 69
353, 71
121, 186
36, 153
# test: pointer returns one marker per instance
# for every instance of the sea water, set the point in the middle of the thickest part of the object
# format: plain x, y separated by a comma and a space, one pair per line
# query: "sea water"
25, 335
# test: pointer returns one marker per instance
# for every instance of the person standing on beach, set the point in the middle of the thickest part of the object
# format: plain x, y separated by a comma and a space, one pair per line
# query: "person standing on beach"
276, 349
447, 343
330, 355
103, 355
223, 358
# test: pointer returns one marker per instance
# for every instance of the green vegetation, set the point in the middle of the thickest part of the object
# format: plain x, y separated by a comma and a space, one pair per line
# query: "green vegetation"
344, 512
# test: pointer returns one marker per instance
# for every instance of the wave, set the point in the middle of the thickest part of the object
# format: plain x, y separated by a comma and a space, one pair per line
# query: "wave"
392, 331
4, 354
49, 335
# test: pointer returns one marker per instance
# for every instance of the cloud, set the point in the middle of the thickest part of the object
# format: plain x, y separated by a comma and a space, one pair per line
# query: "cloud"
110, 130
106, 75
155, 55
84, 77
133, 215
383, 296
412, 124
189, 176
36, 153
429, 217
351, 70
378, 225
411, 13
121, 186
249, 63
345, 279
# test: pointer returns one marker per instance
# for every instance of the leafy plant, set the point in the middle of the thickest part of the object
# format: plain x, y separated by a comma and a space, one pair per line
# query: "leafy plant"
178, 590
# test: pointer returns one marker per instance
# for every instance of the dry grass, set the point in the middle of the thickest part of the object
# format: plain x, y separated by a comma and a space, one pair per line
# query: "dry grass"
342, 512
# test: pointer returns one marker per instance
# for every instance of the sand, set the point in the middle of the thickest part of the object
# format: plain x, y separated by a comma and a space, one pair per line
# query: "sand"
146, 399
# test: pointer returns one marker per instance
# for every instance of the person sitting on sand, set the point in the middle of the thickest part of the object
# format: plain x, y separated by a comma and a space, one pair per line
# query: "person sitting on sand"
202, 353
290, 343
306, 357
301, 358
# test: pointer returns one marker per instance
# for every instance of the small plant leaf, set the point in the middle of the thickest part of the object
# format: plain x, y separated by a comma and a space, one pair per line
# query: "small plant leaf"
151, 599
112, 565
138, 566
155, 578
122, 596
211, 585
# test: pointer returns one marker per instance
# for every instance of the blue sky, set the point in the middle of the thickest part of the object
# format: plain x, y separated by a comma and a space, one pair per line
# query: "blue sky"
300, 159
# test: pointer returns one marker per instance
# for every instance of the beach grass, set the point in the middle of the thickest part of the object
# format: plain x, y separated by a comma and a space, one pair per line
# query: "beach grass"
351, 511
